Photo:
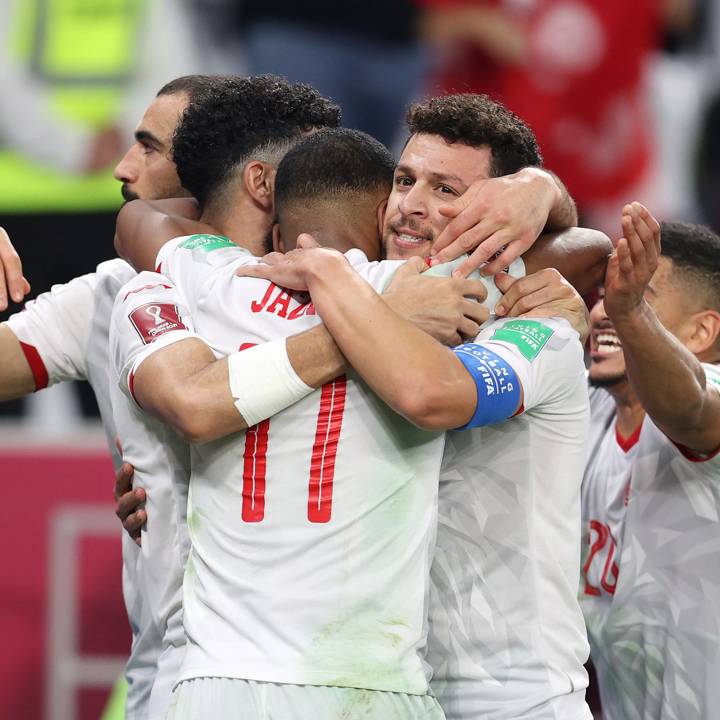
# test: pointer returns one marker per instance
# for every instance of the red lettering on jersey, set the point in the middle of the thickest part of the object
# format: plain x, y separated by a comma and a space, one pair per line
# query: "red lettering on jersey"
256, 306
155, 319
280, 304
609, 576
254, 472
324, 452
303, 309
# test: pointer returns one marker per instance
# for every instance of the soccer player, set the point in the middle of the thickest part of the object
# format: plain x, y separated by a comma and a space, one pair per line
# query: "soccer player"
281, 305
651, 502
507, 638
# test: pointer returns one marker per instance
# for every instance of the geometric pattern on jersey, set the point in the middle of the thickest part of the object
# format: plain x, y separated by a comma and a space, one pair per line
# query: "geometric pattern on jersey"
657, 651
311, 532
507, 639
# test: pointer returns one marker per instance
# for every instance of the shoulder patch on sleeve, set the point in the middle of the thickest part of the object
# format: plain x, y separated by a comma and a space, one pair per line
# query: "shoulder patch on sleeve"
155, 319
712, 374
529, 336
206, 243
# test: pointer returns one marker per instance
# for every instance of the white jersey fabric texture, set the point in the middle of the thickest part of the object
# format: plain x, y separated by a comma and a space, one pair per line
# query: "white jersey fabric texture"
655, 632
311, 532
64, 334
147, 310
507, 638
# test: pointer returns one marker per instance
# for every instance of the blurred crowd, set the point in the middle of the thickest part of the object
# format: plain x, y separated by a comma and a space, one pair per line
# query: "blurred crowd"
624, 99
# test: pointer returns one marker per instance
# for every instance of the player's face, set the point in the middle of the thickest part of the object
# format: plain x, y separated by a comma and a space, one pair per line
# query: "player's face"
147, 170
431, 173
607, 362
669, 299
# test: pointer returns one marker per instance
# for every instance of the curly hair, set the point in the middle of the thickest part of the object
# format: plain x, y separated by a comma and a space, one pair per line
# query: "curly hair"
237, 119
476, 120
333, 162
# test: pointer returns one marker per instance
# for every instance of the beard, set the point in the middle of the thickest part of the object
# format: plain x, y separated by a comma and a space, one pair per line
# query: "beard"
607, 382
127, 193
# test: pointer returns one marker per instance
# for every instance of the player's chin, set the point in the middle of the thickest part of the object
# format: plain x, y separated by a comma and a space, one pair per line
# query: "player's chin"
605, 376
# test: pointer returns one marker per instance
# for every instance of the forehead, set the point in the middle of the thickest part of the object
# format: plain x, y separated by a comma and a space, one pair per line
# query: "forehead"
162, 115
426, 154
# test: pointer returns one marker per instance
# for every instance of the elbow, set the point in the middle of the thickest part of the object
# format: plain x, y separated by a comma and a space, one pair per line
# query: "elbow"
190, 420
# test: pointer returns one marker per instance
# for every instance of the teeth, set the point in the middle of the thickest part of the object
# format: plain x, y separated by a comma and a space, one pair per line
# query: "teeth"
605, 339
602, 348
410, 238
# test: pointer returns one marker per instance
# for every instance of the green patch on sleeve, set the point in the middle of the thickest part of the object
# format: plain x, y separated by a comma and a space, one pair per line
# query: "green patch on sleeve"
206, 243
529, 336
712, 375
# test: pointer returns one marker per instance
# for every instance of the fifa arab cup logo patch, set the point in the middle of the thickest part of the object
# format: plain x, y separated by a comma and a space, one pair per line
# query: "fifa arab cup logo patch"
529, 336
206, 243
155, 319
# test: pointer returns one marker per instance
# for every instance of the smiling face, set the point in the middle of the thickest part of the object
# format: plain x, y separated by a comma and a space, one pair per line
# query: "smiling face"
607, 362
431, 172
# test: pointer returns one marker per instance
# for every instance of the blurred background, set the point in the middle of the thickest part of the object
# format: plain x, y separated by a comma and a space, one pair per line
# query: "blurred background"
624, 98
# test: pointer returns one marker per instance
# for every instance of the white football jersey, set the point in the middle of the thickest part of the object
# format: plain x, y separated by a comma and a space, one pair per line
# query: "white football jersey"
655, 627
64, 335
507, 638
148, 311
312, 531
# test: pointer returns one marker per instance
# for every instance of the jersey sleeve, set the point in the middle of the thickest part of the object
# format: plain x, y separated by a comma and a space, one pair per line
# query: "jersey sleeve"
53, 331
191, 262
148, 315
546, 355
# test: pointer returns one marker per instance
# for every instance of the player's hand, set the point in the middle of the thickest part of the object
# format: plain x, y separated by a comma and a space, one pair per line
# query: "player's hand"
292, 269
633, 263
12, 282
545, 293
449, 309
506, 212
129, 503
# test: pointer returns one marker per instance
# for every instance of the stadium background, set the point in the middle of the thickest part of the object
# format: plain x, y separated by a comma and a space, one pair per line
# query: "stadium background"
626, 94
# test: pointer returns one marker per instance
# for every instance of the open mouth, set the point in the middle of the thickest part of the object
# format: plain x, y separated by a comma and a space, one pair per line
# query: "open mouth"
409, 240
606, 343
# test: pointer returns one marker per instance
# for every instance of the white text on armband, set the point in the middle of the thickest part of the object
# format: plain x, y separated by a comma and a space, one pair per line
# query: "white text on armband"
498, 386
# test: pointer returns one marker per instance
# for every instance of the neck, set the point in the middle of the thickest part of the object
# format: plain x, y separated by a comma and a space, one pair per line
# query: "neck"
243, 222
628, 410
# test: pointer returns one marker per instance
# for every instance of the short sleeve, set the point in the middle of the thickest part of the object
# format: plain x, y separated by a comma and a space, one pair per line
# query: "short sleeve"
148, 315
546, 355
53, 331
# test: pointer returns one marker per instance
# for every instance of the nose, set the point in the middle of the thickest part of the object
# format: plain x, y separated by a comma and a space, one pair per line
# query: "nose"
126, 171
597, 314
413, 202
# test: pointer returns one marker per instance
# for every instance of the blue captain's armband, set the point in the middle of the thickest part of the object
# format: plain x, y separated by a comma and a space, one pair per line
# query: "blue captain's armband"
498, 386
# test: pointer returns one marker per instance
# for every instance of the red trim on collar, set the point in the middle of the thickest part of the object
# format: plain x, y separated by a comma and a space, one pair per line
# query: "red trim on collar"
626, 444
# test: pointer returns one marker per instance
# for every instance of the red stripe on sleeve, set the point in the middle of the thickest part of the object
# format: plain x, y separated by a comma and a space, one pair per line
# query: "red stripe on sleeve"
37, 366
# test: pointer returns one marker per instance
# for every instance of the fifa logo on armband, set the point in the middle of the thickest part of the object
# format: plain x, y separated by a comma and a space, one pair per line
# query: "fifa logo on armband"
155, 319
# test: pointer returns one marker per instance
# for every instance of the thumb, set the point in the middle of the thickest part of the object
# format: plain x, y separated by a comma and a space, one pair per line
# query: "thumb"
412, 266
307, 241
504, 282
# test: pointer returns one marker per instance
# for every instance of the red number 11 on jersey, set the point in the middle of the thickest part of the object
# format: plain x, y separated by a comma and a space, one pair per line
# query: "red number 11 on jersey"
322, 461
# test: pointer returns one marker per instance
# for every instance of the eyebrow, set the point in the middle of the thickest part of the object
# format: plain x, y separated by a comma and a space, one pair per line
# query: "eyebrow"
143, 136
437, 177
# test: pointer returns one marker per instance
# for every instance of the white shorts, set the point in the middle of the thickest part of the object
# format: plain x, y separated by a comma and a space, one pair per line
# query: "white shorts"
229, 699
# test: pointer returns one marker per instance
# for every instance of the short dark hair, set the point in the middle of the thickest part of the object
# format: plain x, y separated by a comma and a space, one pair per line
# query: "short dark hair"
476, 120
695, 252
238, 119
333, 162
193, 85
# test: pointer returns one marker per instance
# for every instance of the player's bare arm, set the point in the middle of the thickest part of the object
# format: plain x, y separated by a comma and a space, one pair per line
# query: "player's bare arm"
185, 387
413, 373
12, 282
16, 377
509, 211
666, 376
144, 226
580, 255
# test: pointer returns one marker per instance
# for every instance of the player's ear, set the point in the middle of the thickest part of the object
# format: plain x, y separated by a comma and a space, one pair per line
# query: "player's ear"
277, 241
381, 209
704, 331
259, 183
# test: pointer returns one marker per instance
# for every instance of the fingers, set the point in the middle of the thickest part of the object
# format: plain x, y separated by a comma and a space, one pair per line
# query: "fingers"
472, 239
507, 257
532, 301
468, 329
261, 270
11, 277
306, 241
475, 311
134, 525
472, 288
123, 477
464, 216
412, 266
523, 287
624, 258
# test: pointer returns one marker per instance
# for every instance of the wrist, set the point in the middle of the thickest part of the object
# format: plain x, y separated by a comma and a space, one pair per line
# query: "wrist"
326, 266
630, 316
